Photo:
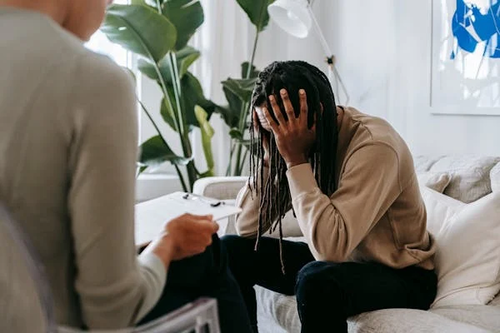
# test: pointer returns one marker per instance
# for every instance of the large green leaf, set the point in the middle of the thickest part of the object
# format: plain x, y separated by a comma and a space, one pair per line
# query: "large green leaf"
141, 30
155, 152
230, 113
242, 88
192, 95
257, 12
187, 16
167, 113
236, 134
207, 133
244, 70
185, 58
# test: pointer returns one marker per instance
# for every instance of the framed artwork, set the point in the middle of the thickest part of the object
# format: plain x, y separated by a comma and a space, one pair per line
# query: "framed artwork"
466, 57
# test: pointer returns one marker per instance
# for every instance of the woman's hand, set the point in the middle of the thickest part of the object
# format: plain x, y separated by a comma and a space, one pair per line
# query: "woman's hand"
184, 236
293, 138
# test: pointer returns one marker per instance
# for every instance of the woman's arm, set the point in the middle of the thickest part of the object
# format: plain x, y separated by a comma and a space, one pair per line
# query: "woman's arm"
116, 288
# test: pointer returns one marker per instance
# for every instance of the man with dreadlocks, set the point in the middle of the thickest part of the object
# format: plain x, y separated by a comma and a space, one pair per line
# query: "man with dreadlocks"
350, 180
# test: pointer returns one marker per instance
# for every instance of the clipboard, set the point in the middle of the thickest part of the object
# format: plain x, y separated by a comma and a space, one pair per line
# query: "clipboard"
152, 215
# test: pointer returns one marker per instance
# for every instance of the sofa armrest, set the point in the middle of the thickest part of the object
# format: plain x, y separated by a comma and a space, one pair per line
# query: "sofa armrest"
221, 188
227, 188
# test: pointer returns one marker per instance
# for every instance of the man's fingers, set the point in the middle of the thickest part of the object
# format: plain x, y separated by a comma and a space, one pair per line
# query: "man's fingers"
270, 120
209, 226
199, 217
276, 110
303, 105
290, 112
255, 120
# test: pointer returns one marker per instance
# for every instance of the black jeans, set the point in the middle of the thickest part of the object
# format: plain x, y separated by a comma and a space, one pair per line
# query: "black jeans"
327, 293
204, 275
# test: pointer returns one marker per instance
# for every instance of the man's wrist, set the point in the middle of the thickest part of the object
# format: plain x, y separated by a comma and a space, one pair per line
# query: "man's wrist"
297, 161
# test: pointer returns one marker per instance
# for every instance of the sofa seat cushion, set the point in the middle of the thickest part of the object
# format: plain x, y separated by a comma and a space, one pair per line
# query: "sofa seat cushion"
484, 316
407, 321
278, 313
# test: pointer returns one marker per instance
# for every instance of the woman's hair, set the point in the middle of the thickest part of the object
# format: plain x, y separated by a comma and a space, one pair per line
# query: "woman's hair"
275, 199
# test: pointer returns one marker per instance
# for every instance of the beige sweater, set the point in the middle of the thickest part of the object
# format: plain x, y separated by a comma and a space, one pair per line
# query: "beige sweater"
68, 146
376, 214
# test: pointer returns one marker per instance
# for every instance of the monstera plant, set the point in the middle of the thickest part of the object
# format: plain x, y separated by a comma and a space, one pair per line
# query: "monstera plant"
158, 32
238, 91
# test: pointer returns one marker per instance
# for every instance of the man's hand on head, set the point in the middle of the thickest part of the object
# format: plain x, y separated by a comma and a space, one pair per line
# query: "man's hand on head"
293, 137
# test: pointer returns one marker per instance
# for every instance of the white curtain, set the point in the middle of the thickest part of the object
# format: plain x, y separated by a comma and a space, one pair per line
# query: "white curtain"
225, 41
371, 40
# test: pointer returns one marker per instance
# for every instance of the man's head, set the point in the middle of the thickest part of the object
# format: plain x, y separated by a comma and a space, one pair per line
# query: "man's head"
293, 76
80, 17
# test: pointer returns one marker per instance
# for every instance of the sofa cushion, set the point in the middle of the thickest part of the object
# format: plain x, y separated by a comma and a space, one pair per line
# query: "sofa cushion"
407, 321
484, 316
470, 175
468, 253
496, 301
424, 163
278, 314
438, 181
495, 178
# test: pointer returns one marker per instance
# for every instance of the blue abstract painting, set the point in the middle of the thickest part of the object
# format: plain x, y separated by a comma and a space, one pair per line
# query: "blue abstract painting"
466, 57
477, 23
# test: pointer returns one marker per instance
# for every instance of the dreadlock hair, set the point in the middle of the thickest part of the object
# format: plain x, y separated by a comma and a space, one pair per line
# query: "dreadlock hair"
275, 199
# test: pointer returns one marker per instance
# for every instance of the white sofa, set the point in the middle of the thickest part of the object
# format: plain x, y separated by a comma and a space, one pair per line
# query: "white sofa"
471, 180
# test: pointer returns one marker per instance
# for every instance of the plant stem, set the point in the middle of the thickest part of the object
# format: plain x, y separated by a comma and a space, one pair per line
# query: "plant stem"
186, 143
244, 111
240, 171
230, 164
181, 177
183, 183
254, 51
176, 118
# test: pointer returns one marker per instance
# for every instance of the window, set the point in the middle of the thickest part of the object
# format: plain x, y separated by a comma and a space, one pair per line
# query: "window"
99, 43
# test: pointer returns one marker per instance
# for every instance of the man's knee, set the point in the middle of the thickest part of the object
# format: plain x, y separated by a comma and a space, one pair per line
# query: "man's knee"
240, 252
238, 246
315, 283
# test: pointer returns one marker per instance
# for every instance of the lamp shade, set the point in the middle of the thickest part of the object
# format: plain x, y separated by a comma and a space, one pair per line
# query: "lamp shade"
292, 16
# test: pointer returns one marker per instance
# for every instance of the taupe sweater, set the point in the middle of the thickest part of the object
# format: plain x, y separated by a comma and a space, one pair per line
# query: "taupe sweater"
68, 146
376, 214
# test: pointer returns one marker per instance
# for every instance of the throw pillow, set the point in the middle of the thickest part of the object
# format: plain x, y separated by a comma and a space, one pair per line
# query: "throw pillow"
438, 181
471, 175
468, 248
495, 178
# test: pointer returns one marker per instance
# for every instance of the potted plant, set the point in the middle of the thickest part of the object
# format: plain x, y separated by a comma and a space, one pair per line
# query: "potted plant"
158, 31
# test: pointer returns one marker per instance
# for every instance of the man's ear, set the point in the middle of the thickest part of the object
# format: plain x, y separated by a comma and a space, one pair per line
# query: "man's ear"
322, 109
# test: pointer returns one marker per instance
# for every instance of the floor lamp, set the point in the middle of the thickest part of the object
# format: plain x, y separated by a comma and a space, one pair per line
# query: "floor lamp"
296, 18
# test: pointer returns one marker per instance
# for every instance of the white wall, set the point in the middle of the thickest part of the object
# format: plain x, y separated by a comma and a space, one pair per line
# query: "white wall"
383, 50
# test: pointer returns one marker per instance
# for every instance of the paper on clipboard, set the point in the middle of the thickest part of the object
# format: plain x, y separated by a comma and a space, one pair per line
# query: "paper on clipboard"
151, 216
